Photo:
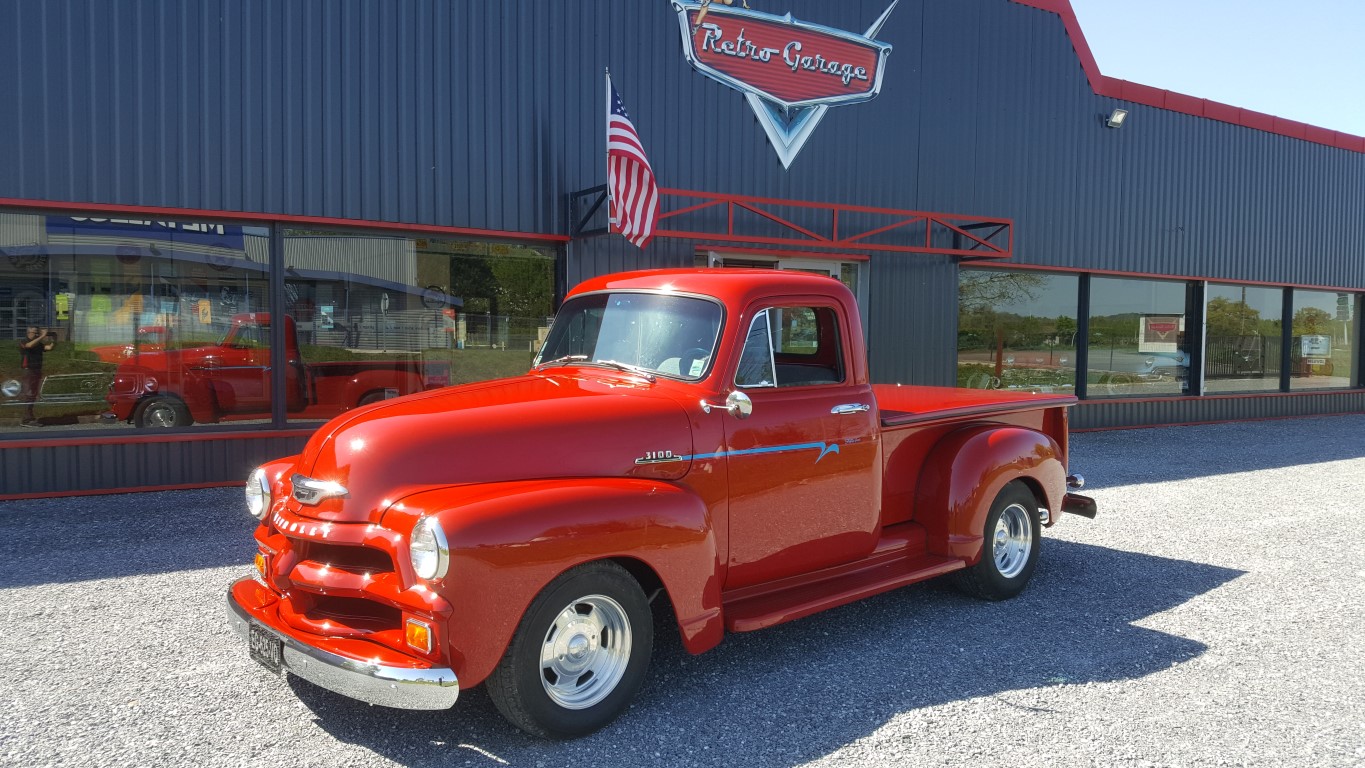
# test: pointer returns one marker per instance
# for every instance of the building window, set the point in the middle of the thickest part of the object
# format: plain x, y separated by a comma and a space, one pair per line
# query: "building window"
1243, 338
383, 315
1016, 330
151, 322
1137, 338
1323, 341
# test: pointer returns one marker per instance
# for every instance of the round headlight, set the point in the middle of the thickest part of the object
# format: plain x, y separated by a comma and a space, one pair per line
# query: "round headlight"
150, 384
428, 550
257, 494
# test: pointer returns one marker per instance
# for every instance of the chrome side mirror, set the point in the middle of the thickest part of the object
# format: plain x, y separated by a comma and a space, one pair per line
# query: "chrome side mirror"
737, 404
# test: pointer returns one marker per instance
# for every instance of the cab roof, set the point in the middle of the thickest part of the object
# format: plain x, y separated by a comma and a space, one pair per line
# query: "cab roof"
734, 287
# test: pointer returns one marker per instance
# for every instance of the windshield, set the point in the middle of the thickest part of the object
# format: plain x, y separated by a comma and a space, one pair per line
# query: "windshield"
663, 334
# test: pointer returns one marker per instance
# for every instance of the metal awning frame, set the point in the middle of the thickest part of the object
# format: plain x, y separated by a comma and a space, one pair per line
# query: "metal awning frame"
969, 237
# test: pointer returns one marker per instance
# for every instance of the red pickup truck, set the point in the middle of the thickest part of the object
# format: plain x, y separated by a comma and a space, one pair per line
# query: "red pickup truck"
175, 387
704, 440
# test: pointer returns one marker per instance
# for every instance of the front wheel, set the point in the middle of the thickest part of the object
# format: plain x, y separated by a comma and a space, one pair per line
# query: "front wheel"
162, 411
1009, 551
579, 655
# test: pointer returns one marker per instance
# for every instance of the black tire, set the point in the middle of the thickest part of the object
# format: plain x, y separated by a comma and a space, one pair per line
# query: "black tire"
596, 677
1009, 549
162, 411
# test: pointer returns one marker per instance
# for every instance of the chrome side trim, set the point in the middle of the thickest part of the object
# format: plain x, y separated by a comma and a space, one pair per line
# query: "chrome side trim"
397, 687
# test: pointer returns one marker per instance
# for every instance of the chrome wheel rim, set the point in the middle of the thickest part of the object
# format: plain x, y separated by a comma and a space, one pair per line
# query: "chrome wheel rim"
585, 652
1012, 540
160, 415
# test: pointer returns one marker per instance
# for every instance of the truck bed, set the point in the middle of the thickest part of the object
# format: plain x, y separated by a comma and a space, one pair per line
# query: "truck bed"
907, 405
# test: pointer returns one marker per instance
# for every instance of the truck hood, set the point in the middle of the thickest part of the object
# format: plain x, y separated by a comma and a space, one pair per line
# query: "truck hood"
530, 427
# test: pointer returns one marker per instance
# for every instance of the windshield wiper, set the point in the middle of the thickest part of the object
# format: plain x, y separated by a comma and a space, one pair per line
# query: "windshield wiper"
628, 368
562, 361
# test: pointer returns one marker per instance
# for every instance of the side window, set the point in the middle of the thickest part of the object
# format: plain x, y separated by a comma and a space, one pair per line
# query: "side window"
756, 362
792, 347
807, 346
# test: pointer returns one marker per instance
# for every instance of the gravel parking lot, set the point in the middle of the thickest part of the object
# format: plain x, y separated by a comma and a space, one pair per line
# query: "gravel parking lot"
1212, 615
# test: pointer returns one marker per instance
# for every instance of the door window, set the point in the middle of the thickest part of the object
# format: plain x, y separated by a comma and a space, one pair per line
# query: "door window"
791, 347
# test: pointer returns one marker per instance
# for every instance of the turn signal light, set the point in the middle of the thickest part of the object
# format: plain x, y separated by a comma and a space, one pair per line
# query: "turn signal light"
418, 635
260, 563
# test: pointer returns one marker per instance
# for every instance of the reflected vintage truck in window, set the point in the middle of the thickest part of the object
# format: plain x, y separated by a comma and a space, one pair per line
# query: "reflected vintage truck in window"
702, 443
173, 386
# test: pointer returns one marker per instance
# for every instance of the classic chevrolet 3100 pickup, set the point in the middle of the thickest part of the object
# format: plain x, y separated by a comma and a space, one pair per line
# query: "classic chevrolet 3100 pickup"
702, 440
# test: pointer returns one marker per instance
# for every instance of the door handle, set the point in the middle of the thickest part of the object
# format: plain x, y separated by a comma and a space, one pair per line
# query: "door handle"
850, 408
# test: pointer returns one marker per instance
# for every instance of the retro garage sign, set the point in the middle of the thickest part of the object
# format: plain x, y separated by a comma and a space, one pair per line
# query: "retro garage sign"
791, 71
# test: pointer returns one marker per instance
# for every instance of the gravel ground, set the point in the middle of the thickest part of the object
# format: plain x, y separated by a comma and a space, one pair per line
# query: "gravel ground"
1210, 616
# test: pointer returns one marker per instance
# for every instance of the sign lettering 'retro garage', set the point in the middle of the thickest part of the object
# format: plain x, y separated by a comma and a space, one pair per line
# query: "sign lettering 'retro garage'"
791, 71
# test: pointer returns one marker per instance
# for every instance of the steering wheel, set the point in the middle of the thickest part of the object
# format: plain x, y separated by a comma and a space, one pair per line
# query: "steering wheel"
688, 358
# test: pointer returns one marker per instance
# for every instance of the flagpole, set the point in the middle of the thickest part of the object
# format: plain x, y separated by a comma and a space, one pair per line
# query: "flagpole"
606, 133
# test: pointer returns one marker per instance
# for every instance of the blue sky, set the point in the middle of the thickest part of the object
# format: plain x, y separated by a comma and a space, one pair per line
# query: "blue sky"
1303, 59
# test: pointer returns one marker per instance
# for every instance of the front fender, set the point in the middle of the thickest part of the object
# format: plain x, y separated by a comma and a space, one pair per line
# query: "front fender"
967, 469
509, 540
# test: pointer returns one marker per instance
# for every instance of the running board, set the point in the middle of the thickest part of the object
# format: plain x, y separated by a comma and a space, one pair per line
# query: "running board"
886, 569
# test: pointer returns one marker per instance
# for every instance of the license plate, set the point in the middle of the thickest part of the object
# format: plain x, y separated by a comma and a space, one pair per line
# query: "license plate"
265, 648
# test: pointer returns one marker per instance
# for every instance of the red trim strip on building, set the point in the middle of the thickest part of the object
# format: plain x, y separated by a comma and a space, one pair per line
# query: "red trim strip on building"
103, 491
1168, 278
267, 218
1077, 430
139, 439
1206, 398
1146, 95
782, 253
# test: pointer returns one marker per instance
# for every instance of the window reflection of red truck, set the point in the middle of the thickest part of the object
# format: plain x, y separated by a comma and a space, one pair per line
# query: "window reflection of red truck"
231, 380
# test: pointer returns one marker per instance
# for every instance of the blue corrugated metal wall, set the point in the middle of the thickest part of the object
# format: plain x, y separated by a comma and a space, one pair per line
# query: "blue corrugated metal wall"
487, 115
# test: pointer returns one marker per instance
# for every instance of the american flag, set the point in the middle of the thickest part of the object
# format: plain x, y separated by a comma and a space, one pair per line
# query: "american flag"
634, 196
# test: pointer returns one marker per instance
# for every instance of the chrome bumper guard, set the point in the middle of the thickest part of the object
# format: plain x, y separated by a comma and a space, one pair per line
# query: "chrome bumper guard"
397, 687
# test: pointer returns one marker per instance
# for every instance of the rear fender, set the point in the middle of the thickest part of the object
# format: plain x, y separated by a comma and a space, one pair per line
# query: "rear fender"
968, 468
509, 540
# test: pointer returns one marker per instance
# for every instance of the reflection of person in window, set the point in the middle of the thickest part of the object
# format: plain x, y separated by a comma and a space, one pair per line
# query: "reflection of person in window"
32, 350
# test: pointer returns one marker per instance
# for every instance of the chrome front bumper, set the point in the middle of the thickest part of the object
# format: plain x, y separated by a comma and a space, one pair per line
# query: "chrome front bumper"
398, 687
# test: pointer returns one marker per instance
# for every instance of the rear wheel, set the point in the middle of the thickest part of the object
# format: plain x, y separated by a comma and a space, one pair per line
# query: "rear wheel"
162, 411
579, 655
1009, 551
371, 397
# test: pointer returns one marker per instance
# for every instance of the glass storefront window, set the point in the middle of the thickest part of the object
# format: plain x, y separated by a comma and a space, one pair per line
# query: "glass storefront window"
382, 315
1137, 338
1323, 342
141, 322
1243, 338
1016, 330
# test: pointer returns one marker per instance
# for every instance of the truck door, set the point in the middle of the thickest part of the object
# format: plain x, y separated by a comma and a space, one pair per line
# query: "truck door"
805, 477
246, 375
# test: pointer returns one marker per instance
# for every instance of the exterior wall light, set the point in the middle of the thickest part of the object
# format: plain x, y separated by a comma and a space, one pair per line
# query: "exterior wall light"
1116, 118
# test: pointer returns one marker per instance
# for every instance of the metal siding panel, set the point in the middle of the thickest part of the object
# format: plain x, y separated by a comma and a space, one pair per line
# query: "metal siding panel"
77, 468
912, 319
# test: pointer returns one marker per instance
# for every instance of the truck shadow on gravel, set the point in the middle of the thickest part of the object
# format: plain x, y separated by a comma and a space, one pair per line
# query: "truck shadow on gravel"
800, 691
58, 541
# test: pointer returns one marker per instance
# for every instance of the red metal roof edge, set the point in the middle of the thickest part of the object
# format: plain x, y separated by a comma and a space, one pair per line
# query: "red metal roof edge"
1179, 102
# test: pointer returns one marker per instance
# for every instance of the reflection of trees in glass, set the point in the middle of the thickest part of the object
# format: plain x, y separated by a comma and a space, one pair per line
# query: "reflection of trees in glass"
979, 290
1003, 343
1232, 318
1312, 321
